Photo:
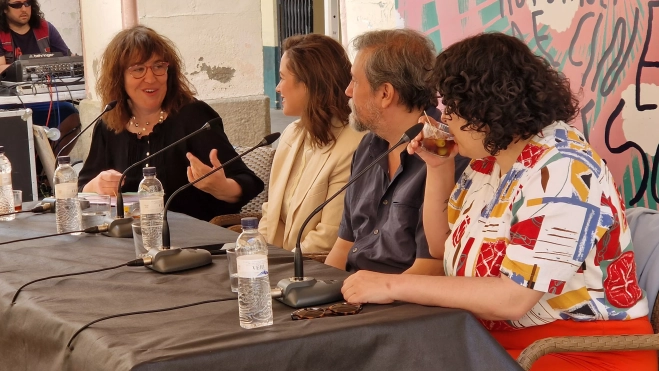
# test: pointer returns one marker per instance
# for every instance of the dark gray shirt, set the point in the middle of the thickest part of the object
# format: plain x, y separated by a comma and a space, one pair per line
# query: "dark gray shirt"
384, 219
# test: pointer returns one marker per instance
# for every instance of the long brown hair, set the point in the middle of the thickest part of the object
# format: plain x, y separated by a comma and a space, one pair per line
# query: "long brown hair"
322, 64
134, 46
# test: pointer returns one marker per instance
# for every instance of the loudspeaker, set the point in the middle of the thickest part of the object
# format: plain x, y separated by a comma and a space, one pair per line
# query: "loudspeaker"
17, 138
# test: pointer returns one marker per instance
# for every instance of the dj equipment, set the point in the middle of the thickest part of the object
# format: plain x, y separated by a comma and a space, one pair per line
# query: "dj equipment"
39, 67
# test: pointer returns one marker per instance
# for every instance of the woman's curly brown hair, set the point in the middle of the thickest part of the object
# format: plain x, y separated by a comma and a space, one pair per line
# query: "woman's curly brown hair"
502, 89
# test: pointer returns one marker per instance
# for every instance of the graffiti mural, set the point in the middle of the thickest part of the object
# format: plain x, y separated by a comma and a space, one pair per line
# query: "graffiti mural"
605, 47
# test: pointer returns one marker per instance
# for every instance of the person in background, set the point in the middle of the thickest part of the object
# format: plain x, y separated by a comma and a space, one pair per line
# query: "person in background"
381, 229
313, 157
143, 71
23, 30
534, 237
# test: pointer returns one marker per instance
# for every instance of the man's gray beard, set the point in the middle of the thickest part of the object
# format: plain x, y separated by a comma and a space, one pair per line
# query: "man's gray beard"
354, 121
356, 124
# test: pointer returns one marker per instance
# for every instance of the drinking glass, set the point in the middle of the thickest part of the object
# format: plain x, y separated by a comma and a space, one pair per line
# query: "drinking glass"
95, 209
18, 200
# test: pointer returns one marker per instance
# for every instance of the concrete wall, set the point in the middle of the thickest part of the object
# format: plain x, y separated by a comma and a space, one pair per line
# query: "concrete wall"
605, 47
220, 41
359, 16
65, 16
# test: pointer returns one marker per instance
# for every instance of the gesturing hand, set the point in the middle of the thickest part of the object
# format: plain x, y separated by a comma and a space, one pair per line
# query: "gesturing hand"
197, 169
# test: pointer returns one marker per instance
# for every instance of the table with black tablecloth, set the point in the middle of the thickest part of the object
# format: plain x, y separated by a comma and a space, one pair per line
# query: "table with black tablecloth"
34, 331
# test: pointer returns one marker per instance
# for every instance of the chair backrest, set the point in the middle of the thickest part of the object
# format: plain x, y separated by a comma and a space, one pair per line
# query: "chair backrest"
644, 225
260, 162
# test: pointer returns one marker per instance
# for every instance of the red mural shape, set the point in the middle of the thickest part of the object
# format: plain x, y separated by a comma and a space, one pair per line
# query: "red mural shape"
621, 285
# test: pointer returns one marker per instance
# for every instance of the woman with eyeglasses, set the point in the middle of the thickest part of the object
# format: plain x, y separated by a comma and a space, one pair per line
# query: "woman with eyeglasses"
534, 237
143, 72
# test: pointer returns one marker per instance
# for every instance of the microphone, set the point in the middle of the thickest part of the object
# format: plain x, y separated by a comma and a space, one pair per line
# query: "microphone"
300, 291
109, 107
121, 226
167, 260
52, 133
44, 207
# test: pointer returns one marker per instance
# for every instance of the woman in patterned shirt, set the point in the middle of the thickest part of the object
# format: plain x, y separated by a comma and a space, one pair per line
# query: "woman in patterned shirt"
533, 236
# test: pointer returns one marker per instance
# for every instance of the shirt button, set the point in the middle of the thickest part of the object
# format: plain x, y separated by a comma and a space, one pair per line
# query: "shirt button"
385, 202
354, 250
147, 153
376, 231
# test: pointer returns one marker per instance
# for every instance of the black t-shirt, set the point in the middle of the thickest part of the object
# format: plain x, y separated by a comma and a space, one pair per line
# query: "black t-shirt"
26, 43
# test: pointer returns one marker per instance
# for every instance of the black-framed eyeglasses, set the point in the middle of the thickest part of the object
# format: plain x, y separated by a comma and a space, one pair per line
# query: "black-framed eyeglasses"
139, 70
341, 309
20, 4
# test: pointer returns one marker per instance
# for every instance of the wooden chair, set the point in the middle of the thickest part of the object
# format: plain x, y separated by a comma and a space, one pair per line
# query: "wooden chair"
596, 343
260, 162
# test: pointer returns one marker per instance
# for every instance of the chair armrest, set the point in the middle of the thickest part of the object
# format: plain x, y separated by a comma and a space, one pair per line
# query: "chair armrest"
232, 219
563, 344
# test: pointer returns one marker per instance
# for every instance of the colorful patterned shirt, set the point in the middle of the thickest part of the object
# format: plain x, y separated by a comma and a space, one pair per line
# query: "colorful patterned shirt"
554, 223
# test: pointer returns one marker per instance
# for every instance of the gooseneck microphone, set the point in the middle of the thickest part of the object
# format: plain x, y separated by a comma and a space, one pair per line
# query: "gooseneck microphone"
121, 226
109, 107
300, 291
167, 260
37, 209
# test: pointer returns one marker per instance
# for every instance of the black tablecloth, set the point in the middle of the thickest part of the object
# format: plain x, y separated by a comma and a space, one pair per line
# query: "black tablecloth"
34, 331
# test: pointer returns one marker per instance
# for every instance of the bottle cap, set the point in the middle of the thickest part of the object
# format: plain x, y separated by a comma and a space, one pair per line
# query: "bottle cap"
149, 171
2, 150
249, 223
63, 160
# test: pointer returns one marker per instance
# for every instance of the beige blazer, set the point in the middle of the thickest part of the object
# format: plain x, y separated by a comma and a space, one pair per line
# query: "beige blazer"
326, 172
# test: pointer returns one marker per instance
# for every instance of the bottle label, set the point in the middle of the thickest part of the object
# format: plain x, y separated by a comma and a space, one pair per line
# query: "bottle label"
66, 190
5, 180
252, 266
151, 205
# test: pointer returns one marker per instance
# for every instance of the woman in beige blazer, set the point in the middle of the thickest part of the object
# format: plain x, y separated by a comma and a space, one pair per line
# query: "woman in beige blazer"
313, 156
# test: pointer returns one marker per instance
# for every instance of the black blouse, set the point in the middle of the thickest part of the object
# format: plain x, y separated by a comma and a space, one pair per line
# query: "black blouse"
118, 151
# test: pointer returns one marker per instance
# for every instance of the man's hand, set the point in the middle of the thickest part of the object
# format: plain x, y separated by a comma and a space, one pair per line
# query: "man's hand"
368, 287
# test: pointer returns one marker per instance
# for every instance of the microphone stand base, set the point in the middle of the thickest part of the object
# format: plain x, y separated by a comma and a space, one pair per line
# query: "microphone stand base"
309, 292
174, 260
119, 227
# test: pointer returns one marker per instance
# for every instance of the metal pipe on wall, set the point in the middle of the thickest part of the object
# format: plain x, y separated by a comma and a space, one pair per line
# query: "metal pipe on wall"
129, 13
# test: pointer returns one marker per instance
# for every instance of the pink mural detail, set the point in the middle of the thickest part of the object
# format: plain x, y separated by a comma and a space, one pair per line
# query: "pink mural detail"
602, 46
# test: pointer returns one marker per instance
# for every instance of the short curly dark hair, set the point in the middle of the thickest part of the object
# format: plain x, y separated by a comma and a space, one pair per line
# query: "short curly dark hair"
502, 89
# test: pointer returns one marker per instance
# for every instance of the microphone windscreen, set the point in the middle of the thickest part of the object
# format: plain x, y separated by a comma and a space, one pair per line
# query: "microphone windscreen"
270, 138
110, 106
216, 125
412, 132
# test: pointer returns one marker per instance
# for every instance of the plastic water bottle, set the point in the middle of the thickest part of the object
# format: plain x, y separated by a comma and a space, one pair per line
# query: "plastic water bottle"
6, 195
151, 196
254, 300
67, 207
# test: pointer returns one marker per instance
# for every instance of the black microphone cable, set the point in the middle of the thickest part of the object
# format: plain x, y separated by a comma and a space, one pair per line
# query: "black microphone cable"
132, 263
94, 229
36, 209
140, 262
144, 312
